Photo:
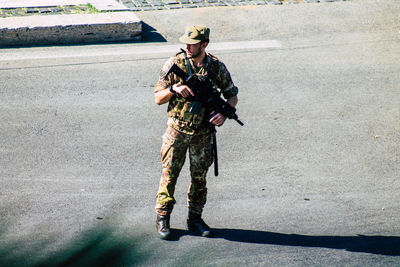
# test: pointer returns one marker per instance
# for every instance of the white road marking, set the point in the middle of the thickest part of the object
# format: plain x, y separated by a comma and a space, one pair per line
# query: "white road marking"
245, 45
96, 51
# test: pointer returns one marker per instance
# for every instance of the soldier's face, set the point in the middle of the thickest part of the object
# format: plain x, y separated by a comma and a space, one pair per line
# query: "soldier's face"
195, 50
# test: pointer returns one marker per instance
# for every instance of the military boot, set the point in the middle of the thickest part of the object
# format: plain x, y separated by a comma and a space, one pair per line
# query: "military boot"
196, 224
162, 226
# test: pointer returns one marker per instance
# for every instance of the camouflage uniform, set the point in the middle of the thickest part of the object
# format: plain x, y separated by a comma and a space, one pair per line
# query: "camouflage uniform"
185, 131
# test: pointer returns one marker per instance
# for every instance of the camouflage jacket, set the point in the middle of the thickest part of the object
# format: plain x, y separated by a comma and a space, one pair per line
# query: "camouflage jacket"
178, 108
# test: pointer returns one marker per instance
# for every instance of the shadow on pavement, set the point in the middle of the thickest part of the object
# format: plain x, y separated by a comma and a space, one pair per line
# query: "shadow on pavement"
101, 246
149, 34
98, 249
95, 247
382, 245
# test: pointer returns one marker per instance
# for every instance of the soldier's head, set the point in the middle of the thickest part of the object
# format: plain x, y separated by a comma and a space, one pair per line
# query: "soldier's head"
196, 39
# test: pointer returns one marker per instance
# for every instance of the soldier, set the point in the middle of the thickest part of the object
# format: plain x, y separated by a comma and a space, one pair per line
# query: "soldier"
187, 130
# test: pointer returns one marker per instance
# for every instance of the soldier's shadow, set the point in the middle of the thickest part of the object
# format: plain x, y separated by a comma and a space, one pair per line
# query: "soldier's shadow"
382, 245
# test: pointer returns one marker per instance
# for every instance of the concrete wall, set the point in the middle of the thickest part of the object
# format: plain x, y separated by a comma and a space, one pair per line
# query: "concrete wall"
64, 29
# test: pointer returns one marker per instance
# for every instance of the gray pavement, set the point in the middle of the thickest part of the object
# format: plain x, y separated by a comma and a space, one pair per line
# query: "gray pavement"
310, 180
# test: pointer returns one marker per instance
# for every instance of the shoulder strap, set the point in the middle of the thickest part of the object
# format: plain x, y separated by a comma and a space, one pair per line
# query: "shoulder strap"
212, 68
188, 66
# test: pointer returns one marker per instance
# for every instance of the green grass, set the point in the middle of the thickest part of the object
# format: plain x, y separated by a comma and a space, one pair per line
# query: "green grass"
17, 12
92, 8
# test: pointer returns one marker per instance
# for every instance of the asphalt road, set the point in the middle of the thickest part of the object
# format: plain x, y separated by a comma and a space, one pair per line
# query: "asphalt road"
312, 179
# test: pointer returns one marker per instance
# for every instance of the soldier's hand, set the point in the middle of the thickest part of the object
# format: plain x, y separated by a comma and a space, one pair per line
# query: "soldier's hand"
183, 90
217, 119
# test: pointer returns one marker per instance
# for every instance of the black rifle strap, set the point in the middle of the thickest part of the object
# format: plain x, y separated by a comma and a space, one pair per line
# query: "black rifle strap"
214, 152
188, 66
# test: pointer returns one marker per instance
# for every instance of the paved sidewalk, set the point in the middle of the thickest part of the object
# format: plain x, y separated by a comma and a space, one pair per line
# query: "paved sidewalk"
11, 8
146, 5
26, 22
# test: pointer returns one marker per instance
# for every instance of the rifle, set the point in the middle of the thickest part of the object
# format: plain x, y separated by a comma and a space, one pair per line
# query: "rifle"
204, 93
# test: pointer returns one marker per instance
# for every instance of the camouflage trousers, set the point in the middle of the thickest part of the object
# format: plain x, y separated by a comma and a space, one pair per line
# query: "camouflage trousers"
173, 155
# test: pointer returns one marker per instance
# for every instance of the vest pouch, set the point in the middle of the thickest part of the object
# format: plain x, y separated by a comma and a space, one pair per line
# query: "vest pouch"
185, 114
199, 117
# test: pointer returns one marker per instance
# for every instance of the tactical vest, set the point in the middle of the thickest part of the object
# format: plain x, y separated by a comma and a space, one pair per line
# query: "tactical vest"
179, 108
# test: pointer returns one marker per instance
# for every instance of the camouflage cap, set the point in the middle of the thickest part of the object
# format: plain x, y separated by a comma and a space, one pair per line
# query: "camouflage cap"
195, 34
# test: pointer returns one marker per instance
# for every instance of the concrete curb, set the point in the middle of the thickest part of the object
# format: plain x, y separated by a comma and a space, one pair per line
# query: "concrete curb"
68, 29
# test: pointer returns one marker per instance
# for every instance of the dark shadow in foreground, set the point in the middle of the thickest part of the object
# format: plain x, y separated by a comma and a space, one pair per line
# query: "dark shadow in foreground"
382, 245
95, 247
102, 246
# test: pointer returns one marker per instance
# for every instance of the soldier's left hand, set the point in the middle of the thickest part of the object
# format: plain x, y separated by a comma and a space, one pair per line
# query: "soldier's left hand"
217, 119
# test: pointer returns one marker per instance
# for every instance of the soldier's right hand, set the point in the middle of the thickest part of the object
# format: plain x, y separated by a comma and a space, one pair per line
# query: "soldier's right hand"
183, 90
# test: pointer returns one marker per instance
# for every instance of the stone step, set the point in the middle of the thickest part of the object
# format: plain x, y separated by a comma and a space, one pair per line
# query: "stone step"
64, 29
